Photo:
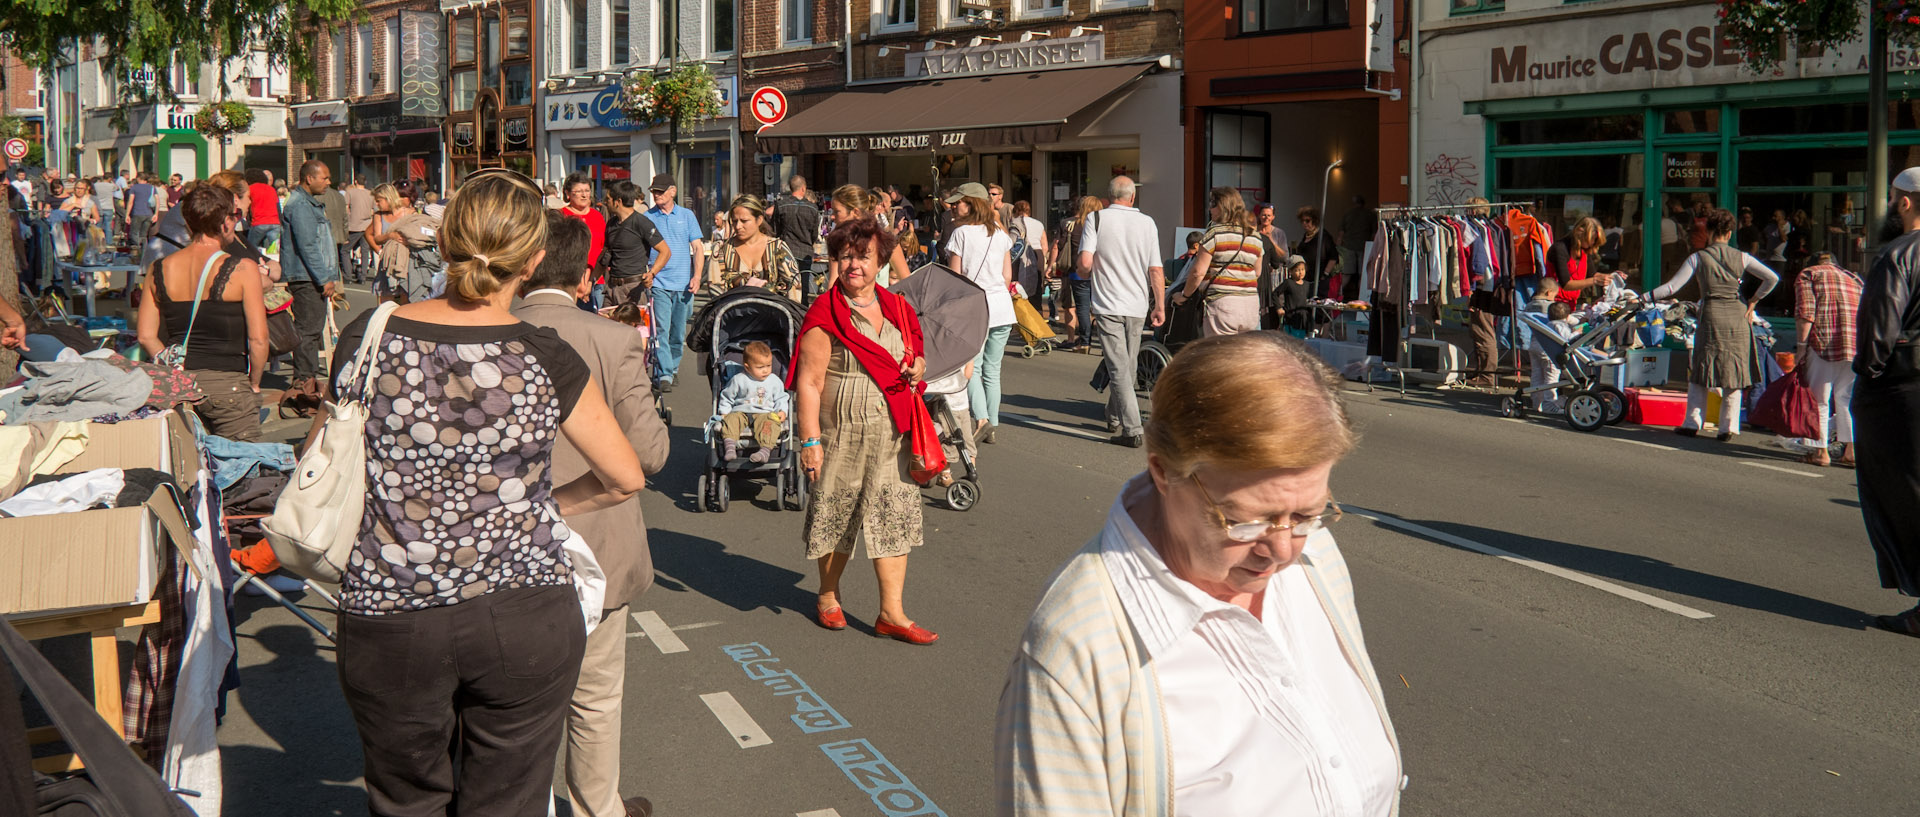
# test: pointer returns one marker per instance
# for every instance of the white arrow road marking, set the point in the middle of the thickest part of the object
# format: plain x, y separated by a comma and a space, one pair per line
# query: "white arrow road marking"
739, 724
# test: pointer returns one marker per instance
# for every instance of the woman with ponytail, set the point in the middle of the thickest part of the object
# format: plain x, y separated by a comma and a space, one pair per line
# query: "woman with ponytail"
461, 633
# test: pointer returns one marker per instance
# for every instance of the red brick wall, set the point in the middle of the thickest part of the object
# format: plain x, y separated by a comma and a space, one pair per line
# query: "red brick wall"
19, 79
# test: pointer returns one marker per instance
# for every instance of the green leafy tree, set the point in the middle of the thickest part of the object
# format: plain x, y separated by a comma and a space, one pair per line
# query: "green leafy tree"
131, 35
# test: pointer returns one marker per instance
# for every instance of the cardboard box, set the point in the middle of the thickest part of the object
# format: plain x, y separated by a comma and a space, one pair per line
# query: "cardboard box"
96, 558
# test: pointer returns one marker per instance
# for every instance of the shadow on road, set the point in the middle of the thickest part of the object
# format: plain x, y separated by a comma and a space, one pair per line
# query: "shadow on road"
311, 751
742, 582
1654, 574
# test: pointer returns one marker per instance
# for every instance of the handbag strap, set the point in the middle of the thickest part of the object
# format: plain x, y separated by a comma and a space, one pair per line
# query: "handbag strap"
368, 355
198, 287
129, 784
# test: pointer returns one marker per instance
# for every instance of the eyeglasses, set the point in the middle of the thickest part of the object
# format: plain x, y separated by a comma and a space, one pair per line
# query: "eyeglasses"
1244, 532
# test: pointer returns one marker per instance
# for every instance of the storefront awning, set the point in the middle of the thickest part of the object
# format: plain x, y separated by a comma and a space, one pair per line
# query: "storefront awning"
949, 115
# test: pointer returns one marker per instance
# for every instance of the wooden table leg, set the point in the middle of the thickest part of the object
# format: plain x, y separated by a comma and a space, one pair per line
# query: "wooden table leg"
106, 680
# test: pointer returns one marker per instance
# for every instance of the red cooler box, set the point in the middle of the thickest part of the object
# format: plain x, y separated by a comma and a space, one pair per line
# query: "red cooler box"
1649, 407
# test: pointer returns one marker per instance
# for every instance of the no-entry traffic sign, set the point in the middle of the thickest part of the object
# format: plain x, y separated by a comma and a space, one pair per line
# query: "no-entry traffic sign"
769, 105
17, 148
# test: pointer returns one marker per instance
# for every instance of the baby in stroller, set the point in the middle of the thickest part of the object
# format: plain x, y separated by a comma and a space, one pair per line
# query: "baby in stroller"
754, 403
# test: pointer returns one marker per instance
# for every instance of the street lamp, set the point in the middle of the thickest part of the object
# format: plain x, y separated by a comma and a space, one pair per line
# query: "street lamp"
1325, 179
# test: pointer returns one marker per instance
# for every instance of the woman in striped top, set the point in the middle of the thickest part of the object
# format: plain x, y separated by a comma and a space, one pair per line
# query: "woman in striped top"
1227, 266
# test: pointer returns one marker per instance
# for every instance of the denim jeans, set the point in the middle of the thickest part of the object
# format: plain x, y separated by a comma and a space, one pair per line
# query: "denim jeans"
983, 389
1083, 308
672, 308
262, 235
1524, 288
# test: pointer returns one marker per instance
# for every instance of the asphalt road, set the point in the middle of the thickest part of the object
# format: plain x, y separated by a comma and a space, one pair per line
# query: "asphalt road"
1564, 624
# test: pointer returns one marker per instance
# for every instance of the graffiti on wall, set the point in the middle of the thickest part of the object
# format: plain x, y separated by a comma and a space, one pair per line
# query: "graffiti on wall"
1451, 179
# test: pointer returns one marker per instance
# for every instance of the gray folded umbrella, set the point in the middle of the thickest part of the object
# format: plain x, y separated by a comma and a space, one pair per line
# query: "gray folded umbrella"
953, 316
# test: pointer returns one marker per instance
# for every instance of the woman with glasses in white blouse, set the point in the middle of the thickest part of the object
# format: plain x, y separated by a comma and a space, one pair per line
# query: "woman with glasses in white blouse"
1202, 655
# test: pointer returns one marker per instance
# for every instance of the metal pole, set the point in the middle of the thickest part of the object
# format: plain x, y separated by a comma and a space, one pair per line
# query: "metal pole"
1877, 180
1325, 180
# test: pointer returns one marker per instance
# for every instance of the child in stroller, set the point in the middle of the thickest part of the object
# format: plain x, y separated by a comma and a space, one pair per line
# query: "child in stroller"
946, 399
752, 405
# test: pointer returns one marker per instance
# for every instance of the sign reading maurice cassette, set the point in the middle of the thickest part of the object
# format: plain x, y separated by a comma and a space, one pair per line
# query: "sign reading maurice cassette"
1625, 52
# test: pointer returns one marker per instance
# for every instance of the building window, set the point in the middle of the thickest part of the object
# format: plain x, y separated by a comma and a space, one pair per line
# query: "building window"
490, 54
898, 15
577, 56
667, 22
185, 80
519, 88
796, 22
391, 82
464, 89
621, 14
363, 62
1237, 153
40, 89
1109, 5
1028, 9
463, 39
721, 24
1262, 16
339, 57
259, 76
519, 36
1476, 6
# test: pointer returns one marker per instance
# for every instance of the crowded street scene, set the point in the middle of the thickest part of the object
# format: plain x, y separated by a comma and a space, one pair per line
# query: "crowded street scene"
588, 408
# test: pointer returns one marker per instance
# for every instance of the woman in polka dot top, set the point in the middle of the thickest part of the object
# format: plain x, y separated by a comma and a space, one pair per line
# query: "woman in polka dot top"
458, 603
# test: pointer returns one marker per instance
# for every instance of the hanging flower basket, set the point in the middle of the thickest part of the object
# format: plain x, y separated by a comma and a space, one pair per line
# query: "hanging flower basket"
685, 96
1902, 18
223, 118
1761, 29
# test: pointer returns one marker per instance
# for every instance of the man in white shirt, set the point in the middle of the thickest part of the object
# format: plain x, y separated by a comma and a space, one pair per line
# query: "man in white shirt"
1120, 250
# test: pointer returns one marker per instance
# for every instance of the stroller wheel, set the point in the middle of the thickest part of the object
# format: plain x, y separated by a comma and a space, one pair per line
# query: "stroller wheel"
795, 498
1026, 352
962, 494
1616, 402
1586, 411
721, 489
666, 416
704, 495
1510, 406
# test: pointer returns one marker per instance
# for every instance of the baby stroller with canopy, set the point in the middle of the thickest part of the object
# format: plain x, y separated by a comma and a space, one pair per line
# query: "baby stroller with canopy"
1589, 403
721, 332
953, 323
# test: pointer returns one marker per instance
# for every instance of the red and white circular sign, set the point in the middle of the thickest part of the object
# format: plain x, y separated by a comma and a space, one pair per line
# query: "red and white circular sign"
17, 148
769, 105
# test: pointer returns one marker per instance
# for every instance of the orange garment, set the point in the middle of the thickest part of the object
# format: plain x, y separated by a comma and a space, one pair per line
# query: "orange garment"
1530, 242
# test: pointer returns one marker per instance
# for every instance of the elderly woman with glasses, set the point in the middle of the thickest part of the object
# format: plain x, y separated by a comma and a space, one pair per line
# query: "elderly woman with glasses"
1202, 654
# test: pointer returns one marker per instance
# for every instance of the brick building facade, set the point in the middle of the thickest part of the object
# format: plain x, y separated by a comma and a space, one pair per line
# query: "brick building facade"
350, 115
1048, 98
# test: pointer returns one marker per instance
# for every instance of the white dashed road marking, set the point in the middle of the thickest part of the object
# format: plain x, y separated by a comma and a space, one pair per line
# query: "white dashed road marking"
825, 812
1642, 442
698, 625
1036, 422
1794, 471
1523, 561
658, 632
739, 724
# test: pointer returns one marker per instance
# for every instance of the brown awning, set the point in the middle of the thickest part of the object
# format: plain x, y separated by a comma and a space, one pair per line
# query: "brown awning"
949, 115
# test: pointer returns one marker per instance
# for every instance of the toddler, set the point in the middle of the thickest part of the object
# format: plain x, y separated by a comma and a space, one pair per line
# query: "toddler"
1545, 370
753, 399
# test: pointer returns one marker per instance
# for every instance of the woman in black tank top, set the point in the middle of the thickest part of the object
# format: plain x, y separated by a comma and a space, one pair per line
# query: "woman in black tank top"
226, 341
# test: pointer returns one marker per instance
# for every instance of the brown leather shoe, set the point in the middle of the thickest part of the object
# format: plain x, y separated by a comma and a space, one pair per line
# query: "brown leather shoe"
639, 807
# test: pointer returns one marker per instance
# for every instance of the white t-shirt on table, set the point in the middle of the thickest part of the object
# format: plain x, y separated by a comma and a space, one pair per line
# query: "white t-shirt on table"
983, 259
1125, 244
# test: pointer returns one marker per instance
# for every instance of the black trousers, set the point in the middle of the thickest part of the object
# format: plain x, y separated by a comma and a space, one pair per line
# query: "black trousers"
309, 320
487, 680
1886, 434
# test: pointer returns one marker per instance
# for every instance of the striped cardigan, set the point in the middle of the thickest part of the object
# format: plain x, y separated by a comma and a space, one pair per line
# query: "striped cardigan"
1082, 729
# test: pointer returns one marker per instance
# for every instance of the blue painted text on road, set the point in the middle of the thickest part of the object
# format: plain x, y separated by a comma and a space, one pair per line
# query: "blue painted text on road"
890, 790
813, 713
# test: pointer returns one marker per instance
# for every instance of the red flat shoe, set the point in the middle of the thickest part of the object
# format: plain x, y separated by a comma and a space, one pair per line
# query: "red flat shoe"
831, 619
912, 634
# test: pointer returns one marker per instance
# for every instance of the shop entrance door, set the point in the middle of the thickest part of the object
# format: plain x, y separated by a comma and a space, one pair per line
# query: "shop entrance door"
604, 167
704, 167
1690, 182
1012, 171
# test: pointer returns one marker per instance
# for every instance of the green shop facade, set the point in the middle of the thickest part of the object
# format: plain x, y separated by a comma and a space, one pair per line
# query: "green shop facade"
1645, 120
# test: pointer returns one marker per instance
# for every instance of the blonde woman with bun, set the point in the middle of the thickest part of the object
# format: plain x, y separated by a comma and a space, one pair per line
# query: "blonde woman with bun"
750, 256
459, 620
849, 203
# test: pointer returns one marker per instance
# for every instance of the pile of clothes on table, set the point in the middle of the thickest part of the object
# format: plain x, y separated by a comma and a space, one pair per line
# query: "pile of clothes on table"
102, 386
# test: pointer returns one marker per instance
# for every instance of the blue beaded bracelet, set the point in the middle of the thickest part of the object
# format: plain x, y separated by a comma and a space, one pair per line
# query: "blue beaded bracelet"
810, 443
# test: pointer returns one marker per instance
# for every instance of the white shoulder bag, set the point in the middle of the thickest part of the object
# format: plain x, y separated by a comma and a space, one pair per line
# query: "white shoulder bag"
317, 519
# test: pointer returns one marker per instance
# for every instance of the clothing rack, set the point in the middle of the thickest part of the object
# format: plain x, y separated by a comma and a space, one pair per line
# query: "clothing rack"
1405, 350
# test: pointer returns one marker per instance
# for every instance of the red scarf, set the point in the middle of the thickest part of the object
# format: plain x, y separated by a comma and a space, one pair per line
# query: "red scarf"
832, 314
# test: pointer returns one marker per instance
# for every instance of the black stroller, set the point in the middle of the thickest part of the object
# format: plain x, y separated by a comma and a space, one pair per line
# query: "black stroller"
953, 324
721, 332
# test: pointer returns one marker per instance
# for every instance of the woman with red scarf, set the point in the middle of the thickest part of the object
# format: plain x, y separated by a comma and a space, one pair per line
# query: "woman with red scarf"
858, 373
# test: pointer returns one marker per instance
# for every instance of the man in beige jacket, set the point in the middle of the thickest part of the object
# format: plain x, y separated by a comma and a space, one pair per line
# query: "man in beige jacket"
618, 535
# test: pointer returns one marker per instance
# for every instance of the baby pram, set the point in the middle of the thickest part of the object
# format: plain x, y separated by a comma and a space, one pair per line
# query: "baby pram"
722, 331
643, 315
953, 322
1589, 403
